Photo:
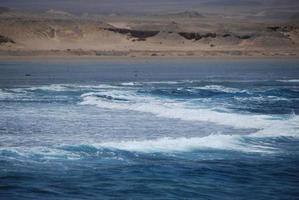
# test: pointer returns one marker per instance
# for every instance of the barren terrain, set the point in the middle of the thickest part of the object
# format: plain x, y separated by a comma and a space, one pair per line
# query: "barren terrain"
186, 33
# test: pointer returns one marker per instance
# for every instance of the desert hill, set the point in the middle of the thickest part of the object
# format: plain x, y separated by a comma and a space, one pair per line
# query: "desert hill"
185, 32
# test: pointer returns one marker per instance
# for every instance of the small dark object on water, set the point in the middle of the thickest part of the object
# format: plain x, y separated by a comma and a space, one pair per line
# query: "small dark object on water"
27, 74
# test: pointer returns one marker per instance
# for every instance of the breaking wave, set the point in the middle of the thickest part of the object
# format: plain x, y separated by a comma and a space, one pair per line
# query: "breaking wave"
140, 97
113, 150
220, 88
177, 110
220, 142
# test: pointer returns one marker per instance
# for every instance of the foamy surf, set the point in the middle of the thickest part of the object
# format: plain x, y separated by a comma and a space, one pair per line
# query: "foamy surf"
220, 88
127, 96
281, 128
244, 144
172, 145
83, 137
173, 109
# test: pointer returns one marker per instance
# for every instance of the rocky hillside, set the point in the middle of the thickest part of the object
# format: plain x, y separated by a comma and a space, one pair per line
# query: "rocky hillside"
185, 32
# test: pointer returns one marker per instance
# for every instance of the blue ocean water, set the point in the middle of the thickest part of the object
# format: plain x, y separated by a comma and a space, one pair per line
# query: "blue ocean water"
149, 129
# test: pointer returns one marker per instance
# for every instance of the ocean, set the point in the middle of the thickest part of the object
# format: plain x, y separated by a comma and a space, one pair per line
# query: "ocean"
149, 129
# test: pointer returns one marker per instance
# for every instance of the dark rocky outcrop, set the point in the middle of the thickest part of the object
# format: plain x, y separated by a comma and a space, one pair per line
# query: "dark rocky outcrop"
273, 28
243, 37
283, 29
226, 35
143, 34
197, 36
140, 34
4, 39
190, 36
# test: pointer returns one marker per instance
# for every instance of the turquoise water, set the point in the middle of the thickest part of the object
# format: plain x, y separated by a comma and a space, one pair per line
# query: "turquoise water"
149, 130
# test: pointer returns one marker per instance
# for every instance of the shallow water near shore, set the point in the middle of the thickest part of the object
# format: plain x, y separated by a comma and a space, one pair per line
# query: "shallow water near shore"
155, 129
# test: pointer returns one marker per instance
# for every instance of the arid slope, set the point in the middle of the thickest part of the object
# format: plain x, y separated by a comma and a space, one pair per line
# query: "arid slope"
184, 33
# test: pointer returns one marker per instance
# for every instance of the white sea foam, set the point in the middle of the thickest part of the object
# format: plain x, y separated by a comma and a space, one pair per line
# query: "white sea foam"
95, 87
267, 125
220, 88
222, 142
128, 84
160, 145
173, 109
290, 81
261, 98
67, 87
4, 94
288, 127
53, 87
38, 153
167, 82
127, 98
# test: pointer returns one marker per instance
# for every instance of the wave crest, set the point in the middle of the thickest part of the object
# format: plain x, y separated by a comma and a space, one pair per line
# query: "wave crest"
176, 110
121, 150
222, 142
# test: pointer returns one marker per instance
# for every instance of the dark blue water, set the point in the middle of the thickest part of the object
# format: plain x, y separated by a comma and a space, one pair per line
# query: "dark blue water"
181, 129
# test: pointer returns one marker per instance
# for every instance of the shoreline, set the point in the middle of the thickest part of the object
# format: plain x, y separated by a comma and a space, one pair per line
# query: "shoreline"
136, 55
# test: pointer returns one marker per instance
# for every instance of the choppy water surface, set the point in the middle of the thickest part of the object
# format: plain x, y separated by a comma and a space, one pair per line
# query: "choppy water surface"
149, 130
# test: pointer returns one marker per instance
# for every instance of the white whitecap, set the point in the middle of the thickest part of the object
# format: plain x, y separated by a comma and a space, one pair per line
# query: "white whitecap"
160, 145
219, 88
221, 142
290, 81
53, 87
175, 110
5, 94
128, 84
287, 127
